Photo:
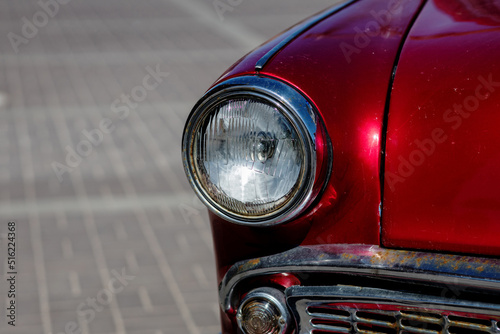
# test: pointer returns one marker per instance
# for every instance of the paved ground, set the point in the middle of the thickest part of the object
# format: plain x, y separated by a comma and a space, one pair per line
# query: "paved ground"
106, 224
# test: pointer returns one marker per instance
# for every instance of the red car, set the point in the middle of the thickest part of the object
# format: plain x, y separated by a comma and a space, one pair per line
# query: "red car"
351, 166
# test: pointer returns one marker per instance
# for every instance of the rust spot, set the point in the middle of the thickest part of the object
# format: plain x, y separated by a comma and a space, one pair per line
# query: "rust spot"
254, 262
347, 256
249, 264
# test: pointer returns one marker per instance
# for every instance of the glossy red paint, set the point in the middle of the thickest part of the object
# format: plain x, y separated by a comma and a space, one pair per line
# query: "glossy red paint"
443, 149
344, 65
246, 65
347, 77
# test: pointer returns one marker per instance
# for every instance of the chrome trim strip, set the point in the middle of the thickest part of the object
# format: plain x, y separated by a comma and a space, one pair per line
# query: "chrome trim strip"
297, 31
368, 261
299, 299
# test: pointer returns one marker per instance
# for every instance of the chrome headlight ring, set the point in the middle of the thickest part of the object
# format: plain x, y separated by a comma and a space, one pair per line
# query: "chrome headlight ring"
289, 109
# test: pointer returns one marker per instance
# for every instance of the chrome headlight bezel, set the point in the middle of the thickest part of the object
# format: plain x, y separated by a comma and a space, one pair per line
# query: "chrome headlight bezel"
305, 120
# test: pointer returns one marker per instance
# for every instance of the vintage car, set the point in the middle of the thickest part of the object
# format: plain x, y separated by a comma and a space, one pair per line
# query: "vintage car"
351, 167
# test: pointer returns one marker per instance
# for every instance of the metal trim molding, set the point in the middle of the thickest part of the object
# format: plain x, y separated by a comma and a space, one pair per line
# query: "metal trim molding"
296, 32
368, 261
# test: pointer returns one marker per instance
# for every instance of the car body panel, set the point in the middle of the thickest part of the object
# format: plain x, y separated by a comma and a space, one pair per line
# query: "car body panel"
350, 94
247, 64
349, 88
442, 186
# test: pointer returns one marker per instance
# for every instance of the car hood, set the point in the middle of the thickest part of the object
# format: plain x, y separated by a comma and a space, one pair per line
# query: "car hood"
344, 65
442, 166
377, 117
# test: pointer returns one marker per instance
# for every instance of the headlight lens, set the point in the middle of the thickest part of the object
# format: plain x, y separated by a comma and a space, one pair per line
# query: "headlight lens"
249, 154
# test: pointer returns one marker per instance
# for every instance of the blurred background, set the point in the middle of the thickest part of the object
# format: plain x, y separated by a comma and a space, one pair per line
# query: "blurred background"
93, 99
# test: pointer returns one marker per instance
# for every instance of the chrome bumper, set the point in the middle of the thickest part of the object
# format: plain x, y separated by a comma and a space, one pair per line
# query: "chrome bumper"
456, 272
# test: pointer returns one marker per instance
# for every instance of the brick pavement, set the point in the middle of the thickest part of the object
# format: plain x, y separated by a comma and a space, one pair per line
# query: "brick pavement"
124, 209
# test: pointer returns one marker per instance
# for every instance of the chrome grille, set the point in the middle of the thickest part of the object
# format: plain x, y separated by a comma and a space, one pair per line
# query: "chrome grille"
369, 321
375, 311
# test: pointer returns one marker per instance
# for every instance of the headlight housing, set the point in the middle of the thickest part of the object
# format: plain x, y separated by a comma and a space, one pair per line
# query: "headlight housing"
255, 151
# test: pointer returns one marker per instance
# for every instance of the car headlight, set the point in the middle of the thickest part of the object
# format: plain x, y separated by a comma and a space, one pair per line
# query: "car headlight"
250, 150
